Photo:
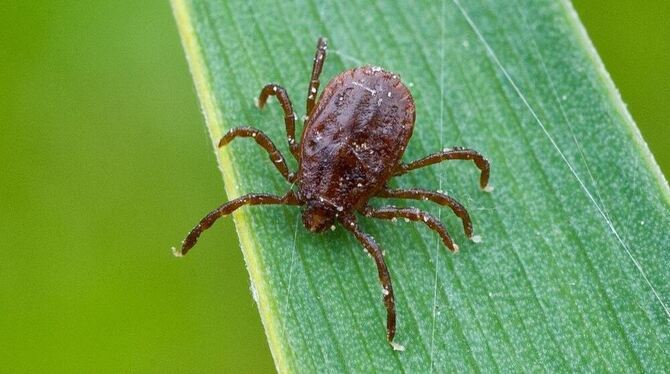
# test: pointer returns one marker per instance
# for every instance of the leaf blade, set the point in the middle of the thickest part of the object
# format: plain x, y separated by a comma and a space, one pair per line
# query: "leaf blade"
535, 294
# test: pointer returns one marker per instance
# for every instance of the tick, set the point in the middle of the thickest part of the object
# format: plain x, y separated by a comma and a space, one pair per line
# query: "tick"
352, 142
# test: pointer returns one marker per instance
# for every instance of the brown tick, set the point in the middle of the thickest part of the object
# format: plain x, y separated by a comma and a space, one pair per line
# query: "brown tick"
353, 139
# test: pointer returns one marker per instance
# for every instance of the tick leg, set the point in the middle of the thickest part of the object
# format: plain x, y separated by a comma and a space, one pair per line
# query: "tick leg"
289, 114
373, 249
229, 207
275, 156
456, 153
412, 214
436, 197
319, 59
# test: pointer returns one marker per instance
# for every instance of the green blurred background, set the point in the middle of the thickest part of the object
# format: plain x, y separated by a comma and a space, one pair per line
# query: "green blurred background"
106, 164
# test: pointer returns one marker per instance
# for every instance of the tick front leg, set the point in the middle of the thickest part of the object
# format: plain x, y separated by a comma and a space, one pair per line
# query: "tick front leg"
229, 207
455, 153
264, 141
436, 197
349, 222
319, 59
412, 214
289, 114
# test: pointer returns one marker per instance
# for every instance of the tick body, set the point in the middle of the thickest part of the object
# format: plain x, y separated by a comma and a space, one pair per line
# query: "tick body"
352, 143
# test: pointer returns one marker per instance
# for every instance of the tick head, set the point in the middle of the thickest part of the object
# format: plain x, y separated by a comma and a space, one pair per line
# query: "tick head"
317, 216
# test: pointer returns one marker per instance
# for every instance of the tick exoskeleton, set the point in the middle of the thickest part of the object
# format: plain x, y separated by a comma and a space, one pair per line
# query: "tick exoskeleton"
353, 139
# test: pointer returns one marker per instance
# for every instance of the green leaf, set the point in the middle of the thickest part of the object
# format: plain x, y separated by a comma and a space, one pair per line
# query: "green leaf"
572, 272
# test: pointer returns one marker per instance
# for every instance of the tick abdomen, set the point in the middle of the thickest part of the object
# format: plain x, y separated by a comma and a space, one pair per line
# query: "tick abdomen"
356, 135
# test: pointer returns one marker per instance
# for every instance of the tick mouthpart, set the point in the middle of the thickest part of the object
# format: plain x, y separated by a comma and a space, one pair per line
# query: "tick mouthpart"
317, 217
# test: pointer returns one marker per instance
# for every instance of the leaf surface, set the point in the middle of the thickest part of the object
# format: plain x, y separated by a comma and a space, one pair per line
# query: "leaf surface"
572, 269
